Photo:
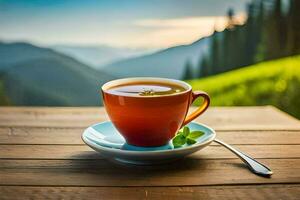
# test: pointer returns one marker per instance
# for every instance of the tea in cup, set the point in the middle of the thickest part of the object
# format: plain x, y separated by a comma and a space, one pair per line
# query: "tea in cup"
149, 111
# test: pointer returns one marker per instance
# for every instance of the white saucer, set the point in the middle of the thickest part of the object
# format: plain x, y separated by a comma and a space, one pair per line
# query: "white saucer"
106, 139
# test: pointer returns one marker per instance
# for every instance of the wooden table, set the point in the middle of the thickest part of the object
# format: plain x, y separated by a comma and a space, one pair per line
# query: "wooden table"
42, 156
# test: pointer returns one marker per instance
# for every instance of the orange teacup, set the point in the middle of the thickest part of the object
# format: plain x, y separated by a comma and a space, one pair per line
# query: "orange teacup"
150, 117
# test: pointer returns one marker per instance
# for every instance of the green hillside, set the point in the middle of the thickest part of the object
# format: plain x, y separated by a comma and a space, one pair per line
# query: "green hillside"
274, 82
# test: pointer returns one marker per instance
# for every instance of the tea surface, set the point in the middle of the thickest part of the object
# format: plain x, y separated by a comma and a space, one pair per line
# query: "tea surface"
146, 89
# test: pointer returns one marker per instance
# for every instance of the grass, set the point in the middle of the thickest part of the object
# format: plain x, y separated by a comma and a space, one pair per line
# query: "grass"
275, 82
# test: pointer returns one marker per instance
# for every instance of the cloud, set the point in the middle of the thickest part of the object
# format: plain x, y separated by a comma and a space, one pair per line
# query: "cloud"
169, 32
188, 22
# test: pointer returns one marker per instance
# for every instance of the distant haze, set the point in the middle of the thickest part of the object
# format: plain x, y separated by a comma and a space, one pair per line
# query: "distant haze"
98, 56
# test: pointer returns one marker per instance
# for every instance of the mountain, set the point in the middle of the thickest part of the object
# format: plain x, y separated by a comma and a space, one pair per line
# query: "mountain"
169, 63
275, 82
97, 56
33, 75
13, 53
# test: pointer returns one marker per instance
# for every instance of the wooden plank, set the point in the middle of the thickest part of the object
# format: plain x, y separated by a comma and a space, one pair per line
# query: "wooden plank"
40, 135
83, 152
188, 172
51, 116
258, 192
259, 137
220, 118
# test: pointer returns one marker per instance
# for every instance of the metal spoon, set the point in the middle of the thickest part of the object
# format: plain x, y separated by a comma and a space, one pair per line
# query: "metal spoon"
255, 166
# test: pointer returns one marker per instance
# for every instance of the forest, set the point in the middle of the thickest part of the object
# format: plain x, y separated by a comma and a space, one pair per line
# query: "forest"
271, 31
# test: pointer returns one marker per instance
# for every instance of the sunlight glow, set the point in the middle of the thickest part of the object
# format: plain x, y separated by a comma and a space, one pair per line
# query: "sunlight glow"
169, 32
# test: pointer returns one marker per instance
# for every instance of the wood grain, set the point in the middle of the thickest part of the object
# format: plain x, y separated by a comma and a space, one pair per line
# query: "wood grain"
185, 173
220, 118
42, 156
40, 135
81, 152
258, 192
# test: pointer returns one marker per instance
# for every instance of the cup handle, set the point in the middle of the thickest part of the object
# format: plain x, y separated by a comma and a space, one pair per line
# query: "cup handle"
201, 109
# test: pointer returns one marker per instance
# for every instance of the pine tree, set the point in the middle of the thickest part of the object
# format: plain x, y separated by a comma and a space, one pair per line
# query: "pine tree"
290, 29
188, 71
230, 18
215, 53
251, 31
294, 26
259, 52
204, 68
272, 43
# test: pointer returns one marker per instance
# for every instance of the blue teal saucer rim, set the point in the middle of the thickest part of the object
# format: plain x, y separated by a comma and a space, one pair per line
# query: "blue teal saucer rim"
131, 152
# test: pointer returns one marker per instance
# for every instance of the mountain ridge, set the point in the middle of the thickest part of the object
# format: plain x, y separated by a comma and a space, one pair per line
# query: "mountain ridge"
168, 63
34, 75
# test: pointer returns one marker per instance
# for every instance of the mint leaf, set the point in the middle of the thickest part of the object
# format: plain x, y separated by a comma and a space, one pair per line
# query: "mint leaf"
179, 140
195, 134
185, 136
186, 131
190, 141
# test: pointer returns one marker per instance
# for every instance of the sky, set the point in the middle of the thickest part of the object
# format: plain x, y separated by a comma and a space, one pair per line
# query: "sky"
117, 23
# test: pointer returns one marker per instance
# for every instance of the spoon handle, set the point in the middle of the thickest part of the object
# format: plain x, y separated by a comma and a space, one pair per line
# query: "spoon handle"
254, 165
